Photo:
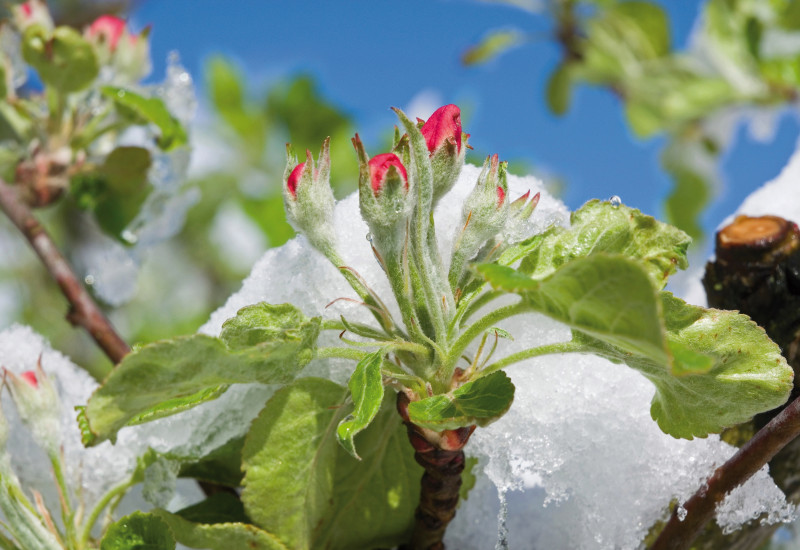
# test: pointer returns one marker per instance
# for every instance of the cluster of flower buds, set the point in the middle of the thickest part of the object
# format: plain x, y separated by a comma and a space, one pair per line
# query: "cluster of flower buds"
398, 191
127, 54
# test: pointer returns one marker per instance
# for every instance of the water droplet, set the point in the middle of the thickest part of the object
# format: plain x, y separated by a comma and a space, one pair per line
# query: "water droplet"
615, 201
369, 237
121, 93
89, 280
129, 236
681, 512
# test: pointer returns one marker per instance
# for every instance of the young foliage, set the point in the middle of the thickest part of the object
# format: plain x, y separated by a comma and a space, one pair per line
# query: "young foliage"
264, 344
328, 499
138, 531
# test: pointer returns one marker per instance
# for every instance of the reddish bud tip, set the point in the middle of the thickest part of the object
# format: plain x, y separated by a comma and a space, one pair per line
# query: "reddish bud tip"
501, 196
454, 440
379, 165
535, 199
30, 377
443, 124
109, 27
26, 8
294, 178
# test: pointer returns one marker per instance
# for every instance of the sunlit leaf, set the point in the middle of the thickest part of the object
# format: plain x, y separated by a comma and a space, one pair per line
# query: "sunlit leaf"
481, 402
366, 388
327, 498
138, 531
143, 109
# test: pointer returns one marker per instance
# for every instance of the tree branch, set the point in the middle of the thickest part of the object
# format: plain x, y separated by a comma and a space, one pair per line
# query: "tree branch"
781, 430
84, 311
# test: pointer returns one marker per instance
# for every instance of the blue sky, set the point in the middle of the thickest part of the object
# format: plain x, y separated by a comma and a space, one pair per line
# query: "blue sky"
368, 55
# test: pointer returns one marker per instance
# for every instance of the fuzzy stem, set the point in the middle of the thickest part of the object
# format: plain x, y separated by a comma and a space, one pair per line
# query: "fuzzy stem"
560, 347
117, 490
83, 310
342, 353
476, 329
770, 439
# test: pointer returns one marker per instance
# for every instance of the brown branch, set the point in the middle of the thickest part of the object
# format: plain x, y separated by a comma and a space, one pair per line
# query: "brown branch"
84, 311
780, 431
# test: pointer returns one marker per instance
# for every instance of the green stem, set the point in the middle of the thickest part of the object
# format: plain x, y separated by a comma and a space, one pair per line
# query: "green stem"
475, 330
342, 353
114, 492
560, 347
467, 308
67, 513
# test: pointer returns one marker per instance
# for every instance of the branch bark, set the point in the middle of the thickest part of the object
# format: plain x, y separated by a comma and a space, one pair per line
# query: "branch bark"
84, 312
781, 430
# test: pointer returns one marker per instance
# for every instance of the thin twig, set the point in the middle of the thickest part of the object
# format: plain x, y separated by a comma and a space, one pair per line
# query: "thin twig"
780, 431
84, 311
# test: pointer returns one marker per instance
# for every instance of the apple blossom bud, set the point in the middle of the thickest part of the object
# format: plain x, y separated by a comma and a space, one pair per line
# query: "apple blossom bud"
32, 12
308, 198
484, 215
38, 405
447, 145
127, 54
385, 201
386, 170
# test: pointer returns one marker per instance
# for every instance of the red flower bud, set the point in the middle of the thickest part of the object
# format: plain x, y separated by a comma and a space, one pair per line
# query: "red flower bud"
26, 8
501, 196
294, 178
30, 377
380, 165
444, 124
109, 29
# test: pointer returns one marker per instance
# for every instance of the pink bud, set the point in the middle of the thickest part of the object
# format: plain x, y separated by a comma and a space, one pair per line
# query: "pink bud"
30, 377
443, 125
379, 165
27, 10
294, 179
501, 196
108, 28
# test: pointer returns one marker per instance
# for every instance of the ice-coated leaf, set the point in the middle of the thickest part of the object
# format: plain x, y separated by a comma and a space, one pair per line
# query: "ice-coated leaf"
138, 531
747, 373
218, 536
609, 297
600, 226
148, 109
495, 43
263, 343
63, 59
366, 387
304, 488
481, 402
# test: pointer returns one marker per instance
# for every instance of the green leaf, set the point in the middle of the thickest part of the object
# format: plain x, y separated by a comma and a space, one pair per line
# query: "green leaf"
226, 88
559, 89
189, 370
692, 189
747, 375
138, 531
63, 59
608, 297
481, 402
117, 190
600, 226
326, 498
366, 387
217, 508
652, 22
222, 466
495, 43
148, 110
219, 536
